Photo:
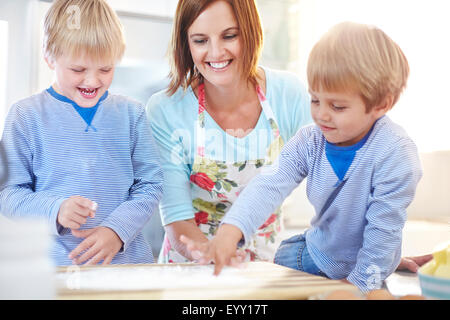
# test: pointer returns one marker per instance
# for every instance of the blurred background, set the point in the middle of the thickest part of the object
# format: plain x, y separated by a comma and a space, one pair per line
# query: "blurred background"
291, 27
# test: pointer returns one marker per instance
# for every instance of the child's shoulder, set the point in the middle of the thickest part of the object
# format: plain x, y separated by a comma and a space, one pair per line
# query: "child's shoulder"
311, 133
310, 138
388, 134
31, 105
124, 102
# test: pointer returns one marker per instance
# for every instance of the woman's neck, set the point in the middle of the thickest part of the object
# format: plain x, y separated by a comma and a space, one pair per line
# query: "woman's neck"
228, 98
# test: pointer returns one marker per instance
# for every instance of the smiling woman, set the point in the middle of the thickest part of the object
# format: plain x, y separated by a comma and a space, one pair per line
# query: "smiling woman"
218, 87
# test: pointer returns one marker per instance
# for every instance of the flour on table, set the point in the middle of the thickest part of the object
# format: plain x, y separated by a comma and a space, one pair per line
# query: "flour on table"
156, 277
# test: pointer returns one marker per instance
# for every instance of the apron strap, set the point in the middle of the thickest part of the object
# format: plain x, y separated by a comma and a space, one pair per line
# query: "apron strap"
201, 136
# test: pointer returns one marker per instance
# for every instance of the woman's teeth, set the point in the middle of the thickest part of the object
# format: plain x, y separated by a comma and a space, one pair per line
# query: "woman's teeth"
219, 65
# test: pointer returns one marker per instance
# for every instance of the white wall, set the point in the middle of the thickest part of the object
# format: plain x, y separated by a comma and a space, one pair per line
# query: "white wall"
432, 200
3, 63
21, 18
422, 29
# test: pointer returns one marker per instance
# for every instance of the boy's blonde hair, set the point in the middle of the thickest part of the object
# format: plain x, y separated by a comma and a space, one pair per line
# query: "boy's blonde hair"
77, 27
359, 57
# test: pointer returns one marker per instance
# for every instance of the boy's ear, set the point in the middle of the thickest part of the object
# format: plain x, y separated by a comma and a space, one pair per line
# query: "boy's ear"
50, 62
385, 105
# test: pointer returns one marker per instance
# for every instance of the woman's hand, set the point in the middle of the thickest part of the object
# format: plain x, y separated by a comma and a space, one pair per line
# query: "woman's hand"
221, 250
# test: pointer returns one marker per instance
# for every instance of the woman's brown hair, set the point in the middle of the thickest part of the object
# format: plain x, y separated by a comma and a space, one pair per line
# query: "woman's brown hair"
182, 71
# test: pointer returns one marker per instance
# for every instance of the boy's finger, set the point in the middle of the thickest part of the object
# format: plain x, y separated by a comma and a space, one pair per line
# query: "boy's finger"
86, 203
108, 259
87, 255
83, 233
84, 245
218, 267
83, 211
96, 259
78, 218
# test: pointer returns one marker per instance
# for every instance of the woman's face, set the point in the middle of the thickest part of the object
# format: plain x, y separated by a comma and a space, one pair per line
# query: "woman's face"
215, 45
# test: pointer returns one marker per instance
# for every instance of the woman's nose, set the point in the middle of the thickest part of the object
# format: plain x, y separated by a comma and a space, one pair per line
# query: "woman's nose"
216, 50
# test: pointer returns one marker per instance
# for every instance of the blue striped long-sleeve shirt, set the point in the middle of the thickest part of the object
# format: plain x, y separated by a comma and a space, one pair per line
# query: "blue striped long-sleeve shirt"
53, 154
358, 237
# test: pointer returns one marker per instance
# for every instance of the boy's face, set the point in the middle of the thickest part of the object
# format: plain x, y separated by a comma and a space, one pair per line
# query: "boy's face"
342, 116
81, 79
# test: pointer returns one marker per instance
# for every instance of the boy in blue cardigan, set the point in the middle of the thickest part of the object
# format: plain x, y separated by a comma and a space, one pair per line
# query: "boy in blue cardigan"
81, 158
362, 169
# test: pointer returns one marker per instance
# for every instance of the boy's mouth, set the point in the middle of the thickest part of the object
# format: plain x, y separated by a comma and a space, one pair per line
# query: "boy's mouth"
88, 93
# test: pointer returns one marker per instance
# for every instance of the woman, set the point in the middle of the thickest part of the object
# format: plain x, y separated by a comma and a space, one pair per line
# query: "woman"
222, 118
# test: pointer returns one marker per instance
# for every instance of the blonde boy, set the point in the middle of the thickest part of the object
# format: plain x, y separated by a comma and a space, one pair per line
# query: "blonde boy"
362, 168
81, 158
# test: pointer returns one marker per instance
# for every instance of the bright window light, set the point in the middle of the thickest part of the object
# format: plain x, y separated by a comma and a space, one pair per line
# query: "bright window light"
421, 28
3, 70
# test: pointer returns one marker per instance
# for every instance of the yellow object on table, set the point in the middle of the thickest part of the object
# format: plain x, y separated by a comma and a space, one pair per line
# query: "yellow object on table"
257, 280
440, 265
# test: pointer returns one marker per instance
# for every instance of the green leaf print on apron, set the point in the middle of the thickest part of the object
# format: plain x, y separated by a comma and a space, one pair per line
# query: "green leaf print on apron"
215, 185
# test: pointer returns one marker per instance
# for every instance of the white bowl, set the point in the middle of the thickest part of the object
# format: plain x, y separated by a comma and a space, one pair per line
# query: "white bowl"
434, 287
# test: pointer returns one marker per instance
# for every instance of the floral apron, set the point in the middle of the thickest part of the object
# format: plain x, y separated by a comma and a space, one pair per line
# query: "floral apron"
215, 185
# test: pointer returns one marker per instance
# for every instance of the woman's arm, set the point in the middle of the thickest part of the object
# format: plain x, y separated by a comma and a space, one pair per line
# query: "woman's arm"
187, 228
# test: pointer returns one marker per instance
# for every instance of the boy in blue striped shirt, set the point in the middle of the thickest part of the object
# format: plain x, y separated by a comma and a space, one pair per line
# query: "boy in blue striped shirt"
79, 157
361, 168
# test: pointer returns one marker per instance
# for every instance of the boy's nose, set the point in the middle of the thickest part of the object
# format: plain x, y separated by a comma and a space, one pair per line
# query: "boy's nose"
91, 81
322, 114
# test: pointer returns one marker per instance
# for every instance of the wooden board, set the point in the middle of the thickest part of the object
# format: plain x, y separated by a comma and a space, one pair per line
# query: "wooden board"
258, 280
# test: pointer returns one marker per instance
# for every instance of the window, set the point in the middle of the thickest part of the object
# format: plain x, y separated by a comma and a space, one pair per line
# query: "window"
421, 28
3, 69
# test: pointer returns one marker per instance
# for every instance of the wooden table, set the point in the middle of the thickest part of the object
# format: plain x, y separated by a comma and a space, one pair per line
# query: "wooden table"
258, 280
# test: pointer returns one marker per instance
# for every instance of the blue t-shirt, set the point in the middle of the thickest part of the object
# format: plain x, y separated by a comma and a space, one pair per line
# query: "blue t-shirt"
86, 113
341, 158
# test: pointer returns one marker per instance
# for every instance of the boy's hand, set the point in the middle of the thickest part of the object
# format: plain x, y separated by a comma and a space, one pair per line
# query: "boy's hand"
222, 249
74, 212
412, 264
100, 243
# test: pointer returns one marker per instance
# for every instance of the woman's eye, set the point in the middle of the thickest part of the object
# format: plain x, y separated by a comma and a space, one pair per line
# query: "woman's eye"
314, 101
105, 70
77, 70
199, 41
230, 36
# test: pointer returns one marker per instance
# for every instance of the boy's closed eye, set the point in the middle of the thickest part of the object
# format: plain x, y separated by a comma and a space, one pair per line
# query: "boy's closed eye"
338, 108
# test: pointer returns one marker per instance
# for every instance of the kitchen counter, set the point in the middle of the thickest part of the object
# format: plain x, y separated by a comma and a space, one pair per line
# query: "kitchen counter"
257, 281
